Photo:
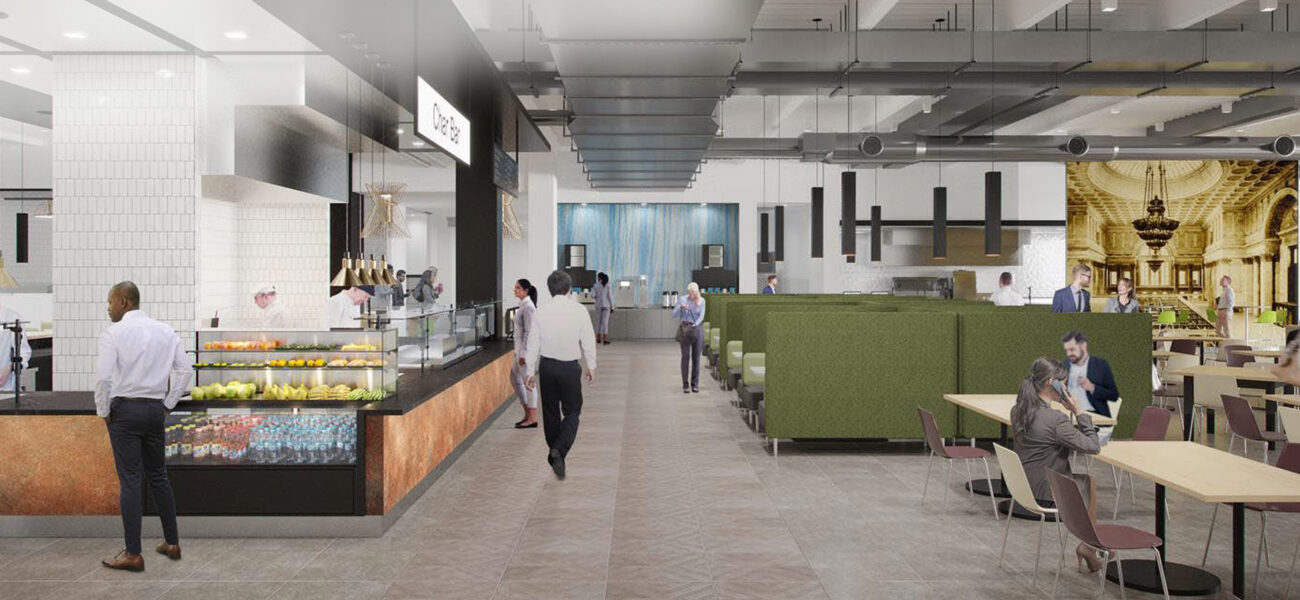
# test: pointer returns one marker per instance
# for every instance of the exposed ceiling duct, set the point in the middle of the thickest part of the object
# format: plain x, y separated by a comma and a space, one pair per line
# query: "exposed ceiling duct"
881, 149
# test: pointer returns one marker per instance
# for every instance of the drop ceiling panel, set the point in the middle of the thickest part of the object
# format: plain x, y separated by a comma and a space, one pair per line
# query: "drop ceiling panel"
42, 24
658, 20
205, 24
675, 156
647, 125
645, 87
643, 106
683, 166
649, 142
637, 60
642, 176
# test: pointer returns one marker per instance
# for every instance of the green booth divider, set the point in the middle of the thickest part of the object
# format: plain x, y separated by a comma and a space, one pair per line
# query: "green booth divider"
996, 350
837, 374
753, 329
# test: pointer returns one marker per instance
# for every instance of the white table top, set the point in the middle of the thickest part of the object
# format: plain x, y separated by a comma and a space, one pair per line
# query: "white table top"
1202, 472
1240, 373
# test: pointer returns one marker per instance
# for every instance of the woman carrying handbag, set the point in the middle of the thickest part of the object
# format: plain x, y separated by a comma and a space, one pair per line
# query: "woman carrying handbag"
690, 313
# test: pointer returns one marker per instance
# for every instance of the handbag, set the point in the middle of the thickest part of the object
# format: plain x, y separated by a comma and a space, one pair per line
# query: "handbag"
685, 333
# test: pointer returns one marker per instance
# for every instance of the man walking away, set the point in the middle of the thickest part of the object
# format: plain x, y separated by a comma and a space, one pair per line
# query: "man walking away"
143, 369
561, 335
1227, 301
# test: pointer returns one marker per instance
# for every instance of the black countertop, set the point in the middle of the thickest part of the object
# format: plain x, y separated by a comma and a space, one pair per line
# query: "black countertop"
413, 389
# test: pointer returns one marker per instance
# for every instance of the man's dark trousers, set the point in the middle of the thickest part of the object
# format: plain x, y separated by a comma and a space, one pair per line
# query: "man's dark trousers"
137, 429
561, 390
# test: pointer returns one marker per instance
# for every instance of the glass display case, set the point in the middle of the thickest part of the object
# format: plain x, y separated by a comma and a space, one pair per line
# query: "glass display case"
262, 437
302, 367
439, 336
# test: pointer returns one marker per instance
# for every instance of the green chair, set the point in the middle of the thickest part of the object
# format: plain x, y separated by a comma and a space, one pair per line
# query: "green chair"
1282, 317
1184, 317
1212, 315
735, 355
1166, 318
704, 327
753, 374
1267, 317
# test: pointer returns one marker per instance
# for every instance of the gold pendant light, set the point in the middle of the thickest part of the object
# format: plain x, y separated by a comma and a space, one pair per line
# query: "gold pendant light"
385, 272
6, 280
346, 277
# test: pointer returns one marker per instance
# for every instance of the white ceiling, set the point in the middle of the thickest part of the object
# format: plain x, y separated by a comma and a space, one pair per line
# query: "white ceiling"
41, 24
39, 75
204, 23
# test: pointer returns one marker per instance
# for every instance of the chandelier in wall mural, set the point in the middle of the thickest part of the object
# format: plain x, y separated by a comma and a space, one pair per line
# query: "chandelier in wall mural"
1155, 229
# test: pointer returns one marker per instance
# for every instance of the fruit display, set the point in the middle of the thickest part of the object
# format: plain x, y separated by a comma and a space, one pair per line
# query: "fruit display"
294, 363
236, 345
236, 390
359, 348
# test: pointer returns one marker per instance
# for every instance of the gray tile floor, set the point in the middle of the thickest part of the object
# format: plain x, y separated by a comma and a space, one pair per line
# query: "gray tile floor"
668, 496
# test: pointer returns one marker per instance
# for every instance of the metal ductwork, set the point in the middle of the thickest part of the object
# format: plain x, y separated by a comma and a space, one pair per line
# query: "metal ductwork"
883, 148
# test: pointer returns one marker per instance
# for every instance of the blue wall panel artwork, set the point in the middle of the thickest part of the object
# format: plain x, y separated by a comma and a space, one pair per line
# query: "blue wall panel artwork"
660, 241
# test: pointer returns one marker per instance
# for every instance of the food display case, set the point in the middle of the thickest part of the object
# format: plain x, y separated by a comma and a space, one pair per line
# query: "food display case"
306, 368
441, 336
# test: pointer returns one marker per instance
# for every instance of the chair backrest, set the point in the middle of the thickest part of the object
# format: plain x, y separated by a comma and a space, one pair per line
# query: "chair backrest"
1071, 510
1289, 458
1153, 425
1241, 418
1230, 356
1211, 314
1210, 390
1267, 317
1013, 474
1282, 316
1166, 317
1290, 418
1114, 406
1176, 362
932, 435
1183, 347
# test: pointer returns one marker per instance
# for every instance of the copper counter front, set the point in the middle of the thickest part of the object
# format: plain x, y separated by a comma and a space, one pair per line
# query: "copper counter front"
401, 450
56, 465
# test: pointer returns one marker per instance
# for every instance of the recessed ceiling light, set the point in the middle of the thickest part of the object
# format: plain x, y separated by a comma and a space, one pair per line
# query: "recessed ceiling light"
75, 35
20, 70
1109, 5
417, 143
236, 35
1267, 5
1240, 130
400, 131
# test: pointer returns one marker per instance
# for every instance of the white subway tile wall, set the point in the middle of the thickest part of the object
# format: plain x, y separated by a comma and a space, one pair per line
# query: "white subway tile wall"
286, 245
126, 197
219, 290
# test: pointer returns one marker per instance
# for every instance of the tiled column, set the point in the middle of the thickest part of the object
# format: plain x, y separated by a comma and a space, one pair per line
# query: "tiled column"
126, 196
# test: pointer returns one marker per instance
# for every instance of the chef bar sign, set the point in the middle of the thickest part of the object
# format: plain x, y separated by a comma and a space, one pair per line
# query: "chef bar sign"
438, 122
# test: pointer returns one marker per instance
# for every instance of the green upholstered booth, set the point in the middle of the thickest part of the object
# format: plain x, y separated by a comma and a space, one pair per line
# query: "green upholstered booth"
748, 376
844, 374
996, 349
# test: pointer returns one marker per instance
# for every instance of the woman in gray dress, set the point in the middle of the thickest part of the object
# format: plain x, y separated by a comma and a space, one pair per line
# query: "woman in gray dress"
1125, 301
1045, 436
604, 304
527, 295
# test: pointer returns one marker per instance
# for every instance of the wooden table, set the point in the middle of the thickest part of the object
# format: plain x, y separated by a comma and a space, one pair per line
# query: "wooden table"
1164, 354
1273, 354
1199, 339
1208, 475
998, 408
1259, 378
1287, 399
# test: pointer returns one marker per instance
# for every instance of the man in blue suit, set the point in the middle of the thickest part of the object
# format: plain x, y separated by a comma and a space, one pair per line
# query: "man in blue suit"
1090, 376
770, 288
1075, 297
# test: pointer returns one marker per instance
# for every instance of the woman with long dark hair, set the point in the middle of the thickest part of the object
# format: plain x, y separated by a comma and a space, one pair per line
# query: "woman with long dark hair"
1125, 300
527, 295
1046, 435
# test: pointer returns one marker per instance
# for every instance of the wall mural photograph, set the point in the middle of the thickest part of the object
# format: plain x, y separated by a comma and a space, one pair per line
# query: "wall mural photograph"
1175, 228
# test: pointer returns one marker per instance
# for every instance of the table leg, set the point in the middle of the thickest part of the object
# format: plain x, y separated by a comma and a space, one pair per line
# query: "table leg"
1187, 406
1239, 550
1160, 517
1142, 574
1201, 345
1003, 430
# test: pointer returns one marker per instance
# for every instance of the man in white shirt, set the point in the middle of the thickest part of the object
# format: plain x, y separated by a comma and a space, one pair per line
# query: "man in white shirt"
8, 381
561, 335
345, 307
1006, 296
274, 316
143, 370
1223, 309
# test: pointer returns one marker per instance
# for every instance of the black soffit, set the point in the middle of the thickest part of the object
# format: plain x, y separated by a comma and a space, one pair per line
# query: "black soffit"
818, 221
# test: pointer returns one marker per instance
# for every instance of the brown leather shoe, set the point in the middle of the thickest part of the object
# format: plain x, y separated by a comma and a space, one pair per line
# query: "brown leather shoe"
172, 551
125, 562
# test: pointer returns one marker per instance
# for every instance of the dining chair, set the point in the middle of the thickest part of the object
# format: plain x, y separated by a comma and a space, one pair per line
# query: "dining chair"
1017, 482
1228, 354
1172, 384
1290, 419
1108, 539
950, 453
1153, 426
1242, 423
1166, 318
1183, 347
1289, 459
1208, 395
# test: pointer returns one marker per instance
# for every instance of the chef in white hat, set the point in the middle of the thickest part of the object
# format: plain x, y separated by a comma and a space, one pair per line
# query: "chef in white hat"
274, 315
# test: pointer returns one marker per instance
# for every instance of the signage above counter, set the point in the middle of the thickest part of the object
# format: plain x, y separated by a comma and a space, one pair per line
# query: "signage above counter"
439, 123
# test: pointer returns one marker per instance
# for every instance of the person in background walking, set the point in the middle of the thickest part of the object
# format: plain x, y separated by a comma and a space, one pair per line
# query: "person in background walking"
399, 289
690, 312
561, 335
1125, 301
143, 369
1227, 301
527, 295
772, 282
1075, 297
604, 302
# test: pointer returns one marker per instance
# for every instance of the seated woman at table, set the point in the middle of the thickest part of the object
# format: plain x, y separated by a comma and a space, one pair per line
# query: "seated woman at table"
1045, 437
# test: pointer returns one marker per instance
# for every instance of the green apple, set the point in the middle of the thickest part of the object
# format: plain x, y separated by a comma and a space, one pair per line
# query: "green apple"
198, 393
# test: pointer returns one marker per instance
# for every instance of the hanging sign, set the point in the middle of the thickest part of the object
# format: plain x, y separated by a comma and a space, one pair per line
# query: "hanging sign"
439, 123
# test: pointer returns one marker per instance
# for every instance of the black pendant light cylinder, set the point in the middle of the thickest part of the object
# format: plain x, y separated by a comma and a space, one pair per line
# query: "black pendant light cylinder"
876, 233
818, 221
764, 255
940, 222
21, 237
993, 213
848, 213
779, 233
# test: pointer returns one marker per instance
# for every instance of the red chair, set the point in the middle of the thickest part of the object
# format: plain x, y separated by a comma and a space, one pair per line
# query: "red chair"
1288, 459
1241, 420
1152, 426
950, 453
1184, 347
1107, 539
1236, 360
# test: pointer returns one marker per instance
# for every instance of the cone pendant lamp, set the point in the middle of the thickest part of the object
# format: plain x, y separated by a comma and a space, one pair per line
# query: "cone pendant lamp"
346, 277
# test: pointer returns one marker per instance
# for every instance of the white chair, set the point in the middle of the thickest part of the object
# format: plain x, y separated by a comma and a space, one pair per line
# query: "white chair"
1208, 395
1017, 482
1173, 384
1290, 418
